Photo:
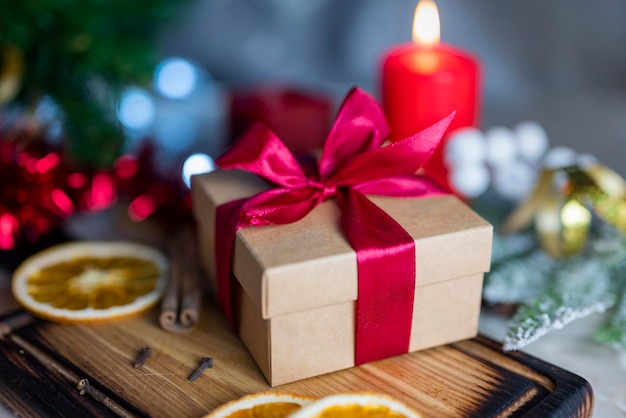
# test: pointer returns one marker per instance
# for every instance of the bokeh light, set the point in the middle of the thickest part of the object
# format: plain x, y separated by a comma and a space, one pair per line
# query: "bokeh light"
136, 109
176, 78
176, 131
196, 164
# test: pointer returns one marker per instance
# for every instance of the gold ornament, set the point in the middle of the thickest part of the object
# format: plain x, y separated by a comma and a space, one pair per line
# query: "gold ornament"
562, 203
11, 72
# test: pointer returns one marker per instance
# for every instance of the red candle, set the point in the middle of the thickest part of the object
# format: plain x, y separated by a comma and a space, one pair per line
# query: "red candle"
424, 81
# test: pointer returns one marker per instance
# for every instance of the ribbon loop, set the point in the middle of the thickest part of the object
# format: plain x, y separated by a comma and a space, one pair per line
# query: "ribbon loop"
261, 152
404, 157
360, 126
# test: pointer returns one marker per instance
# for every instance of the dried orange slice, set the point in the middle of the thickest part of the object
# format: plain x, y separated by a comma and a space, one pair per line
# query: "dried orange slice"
357, 405
90, 281
262, 405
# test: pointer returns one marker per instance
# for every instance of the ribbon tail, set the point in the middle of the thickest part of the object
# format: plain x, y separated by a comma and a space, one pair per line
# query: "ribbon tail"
261, 152
386, 268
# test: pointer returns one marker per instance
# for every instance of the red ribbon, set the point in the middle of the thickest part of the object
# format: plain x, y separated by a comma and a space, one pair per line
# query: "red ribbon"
353, 164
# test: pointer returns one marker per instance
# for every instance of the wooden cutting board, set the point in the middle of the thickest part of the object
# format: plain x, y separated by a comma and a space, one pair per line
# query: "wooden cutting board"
42, 363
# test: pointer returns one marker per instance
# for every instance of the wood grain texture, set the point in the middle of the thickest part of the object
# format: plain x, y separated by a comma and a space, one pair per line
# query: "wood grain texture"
41, 363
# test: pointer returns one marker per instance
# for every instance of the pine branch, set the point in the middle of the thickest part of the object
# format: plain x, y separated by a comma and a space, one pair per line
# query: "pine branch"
579, 288
547, 314
613, 333
518, 278
507, 247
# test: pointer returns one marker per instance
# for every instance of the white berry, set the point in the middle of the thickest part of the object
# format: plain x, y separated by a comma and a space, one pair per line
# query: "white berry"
586, 160
465, 146
514, 181
532, 140
501, 146
559, 157
470, 180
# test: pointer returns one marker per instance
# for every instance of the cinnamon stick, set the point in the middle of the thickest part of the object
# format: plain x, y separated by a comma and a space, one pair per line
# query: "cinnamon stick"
180, 308
14, 321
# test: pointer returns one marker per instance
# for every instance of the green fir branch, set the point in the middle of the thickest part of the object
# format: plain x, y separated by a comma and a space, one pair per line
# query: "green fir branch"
613, 332
578, 287
546, 314
519, 278
69, 44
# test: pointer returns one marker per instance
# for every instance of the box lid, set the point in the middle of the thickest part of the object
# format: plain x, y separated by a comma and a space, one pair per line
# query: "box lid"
309, 263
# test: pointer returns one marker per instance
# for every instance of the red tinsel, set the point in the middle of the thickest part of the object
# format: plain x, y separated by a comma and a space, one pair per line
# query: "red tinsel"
151, 193
40, 188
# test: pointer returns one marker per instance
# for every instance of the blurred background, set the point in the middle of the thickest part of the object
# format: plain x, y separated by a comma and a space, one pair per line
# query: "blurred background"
560, 63
171, 83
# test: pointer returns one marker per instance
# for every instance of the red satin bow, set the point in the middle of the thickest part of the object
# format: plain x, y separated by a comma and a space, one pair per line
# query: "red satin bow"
352, 164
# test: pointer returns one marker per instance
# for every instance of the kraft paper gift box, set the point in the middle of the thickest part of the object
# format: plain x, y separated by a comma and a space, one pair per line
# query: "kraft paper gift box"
297, 283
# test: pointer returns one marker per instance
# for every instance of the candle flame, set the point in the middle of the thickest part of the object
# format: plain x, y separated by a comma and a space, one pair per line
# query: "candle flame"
426, 23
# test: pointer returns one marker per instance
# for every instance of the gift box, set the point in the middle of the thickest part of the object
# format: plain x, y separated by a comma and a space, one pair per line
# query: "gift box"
295, 294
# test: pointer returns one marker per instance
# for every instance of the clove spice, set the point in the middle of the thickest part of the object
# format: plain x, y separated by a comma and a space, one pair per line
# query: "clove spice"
82, 386
205, 363
143, 356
